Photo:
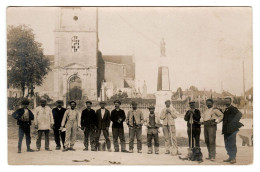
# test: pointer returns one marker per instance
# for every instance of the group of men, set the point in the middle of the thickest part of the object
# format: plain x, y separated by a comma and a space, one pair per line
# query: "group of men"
66, 122
210, 118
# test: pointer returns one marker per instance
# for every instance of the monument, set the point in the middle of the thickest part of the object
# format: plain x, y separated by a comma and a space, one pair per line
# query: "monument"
163, 81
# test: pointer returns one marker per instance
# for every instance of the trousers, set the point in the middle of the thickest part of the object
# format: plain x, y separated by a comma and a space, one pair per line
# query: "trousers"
195, 136
230, 145
135, 132
210, 139
71, 131
58, 135
106, 135
169, 132
39, 139
21, 134
152, 134
118, 133
90, 133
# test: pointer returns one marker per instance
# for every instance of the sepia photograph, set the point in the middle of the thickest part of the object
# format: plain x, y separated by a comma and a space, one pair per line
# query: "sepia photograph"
129, 85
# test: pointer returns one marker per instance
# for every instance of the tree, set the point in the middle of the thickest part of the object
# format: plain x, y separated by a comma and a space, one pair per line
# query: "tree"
26, 64
193, 88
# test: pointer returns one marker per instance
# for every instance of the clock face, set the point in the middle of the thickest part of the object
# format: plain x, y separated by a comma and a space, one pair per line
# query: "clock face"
75, 18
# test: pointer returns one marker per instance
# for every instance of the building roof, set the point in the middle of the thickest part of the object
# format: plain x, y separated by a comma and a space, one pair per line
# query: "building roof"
118, 59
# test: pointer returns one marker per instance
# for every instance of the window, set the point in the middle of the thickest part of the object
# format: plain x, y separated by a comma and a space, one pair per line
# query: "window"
75, 44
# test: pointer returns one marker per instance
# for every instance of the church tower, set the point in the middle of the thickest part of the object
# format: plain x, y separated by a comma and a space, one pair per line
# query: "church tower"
76, 49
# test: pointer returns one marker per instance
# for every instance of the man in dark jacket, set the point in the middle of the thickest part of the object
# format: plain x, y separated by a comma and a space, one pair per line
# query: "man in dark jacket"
103, 116
89, 126
192, 116
58, 114
24, 117
230, 128
118, 117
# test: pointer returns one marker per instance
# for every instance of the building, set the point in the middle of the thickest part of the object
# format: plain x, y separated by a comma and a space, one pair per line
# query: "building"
79, 70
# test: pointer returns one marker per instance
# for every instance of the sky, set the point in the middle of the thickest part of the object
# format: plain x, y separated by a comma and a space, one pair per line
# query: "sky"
206, 46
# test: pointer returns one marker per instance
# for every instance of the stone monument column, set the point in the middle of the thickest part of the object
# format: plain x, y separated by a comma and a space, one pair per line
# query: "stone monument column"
163, 81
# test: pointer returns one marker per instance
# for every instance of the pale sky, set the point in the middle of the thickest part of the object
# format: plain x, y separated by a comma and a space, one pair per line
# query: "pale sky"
206, 45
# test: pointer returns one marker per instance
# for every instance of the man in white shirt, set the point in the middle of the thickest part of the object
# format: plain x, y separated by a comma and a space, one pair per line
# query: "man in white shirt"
211, 117
168, 115
43, 123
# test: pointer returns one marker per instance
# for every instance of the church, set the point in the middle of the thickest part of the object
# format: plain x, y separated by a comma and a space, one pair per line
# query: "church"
79, 70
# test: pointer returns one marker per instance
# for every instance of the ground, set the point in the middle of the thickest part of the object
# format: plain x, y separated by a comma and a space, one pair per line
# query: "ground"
57, 157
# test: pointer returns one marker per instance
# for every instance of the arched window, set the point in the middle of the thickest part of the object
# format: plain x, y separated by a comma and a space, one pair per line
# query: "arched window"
75, 44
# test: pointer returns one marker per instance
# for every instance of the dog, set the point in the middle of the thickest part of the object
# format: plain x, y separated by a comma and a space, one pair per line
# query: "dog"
194, 155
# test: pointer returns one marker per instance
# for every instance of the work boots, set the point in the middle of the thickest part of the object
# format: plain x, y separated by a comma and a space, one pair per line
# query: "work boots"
150, 150
156, 150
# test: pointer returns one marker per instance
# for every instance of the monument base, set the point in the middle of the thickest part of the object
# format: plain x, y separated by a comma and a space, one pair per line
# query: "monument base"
161, 97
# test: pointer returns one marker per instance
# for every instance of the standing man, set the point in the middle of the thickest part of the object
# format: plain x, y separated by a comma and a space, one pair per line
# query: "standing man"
135, 121
230, 128
168, 115
72, 116
152, 122
24, 117
211, 117
89, 126
43, 123
192, 117
58, 114
103, 116
118, 117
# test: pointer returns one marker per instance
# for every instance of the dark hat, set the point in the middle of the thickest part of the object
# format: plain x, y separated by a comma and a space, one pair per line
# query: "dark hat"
210, 100
72, 102
88, 102
167, 101
43, 101
151, 107
25, 102
191, 102
133, 103
59, 102
102, 102
117, 101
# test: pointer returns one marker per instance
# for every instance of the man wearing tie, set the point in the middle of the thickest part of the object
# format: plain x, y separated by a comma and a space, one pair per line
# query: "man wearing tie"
103, 117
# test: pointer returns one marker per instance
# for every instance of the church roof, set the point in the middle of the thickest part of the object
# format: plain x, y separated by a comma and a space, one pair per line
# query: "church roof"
120, 59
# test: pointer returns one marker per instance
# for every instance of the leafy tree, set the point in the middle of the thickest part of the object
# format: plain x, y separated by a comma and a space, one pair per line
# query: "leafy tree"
26, 64
193, 88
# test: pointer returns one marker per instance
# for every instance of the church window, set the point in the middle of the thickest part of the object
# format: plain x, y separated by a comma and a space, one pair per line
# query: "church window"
75, 44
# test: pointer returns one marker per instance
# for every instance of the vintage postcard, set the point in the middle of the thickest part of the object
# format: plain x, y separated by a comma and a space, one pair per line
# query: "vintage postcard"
130, 85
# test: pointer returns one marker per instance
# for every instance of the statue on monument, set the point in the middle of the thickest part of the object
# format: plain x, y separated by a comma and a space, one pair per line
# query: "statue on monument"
163, 50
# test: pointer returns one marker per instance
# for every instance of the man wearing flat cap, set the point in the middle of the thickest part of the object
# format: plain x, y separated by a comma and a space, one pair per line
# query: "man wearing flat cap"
89, 122
152, 122
103, 117
135, 120
168, 115
58, 113
24, 116
43, 123
118, 117
192, 117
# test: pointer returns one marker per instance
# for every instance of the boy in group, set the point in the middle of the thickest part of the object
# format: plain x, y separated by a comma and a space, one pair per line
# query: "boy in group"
24, 117
152, 122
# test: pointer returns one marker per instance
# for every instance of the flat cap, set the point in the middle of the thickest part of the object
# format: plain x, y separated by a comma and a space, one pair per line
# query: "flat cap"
43, 101
59, 102
133, 103
209, 100
102, 102
167, 101
151, 107
191, 102
72, 102
88, 102
25, 102
117, 101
